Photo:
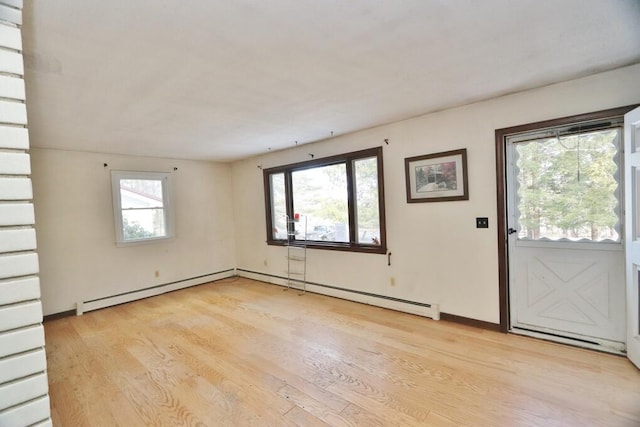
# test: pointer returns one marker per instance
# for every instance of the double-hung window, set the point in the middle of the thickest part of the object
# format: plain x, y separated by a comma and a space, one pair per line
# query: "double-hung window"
341, 197
142, 206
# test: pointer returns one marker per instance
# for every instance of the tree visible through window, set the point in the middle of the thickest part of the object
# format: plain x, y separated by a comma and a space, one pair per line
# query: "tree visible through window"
568, 187
320, 193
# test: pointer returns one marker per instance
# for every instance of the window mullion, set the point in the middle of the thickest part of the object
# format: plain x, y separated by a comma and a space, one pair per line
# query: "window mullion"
351, 202
288, 195
381, 207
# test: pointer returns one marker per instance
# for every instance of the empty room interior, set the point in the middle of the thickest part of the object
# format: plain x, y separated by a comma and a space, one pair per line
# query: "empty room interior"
312, 213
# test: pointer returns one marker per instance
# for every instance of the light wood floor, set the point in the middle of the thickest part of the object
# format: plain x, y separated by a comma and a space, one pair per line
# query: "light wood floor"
243, 353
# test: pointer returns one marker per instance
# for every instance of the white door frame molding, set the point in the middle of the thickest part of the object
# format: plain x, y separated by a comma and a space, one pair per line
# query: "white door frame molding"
632, 231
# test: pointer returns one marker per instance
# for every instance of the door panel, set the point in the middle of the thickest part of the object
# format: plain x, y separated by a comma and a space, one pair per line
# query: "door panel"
567, 290
566, 258
632, 232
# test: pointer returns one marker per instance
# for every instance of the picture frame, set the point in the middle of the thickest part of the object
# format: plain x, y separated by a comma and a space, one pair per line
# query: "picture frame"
437, 177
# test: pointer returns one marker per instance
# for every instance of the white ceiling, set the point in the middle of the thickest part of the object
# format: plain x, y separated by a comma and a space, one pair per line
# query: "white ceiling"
227, 79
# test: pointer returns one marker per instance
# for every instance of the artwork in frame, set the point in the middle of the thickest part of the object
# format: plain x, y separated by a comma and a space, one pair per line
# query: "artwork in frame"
437, 177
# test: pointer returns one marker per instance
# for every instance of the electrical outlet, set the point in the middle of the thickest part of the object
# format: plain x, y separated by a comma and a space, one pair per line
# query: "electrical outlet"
157, 273
482, 222
392, 281
265, 262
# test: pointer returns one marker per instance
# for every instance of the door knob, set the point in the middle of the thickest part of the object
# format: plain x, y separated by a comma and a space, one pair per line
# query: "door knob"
511, 231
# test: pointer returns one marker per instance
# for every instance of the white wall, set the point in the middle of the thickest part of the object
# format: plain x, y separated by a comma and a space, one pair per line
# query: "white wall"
438, 256
76, 236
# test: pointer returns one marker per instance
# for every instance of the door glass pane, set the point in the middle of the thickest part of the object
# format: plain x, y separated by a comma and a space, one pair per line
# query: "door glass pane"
278, 206
321, 195
367, 211
568, 187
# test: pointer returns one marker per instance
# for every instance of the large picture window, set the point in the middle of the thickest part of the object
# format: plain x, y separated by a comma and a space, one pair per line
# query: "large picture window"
340, 196
142, 208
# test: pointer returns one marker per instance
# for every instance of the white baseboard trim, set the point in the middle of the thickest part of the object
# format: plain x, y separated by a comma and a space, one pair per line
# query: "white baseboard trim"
86, 306
426, 310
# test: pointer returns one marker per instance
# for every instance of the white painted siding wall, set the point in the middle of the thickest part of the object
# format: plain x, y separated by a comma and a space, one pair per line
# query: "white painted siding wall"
24, 396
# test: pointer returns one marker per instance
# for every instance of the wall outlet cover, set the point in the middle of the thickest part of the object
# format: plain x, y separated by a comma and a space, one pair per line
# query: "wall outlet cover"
482, 222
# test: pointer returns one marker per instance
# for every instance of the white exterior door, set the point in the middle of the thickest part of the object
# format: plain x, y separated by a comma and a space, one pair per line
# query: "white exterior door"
632, 231
566, 257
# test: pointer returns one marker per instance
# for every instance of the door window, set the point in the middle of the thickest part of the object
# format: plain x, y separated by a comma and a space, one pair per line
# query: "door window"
568, 186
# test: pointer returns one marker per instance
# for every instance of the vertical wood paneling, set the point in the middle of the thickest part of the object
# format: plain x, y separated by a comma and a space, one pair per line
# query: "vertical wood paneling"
20, 340
12, 87
15, 189
10, 37
10, 14
18, 265
14, 393
14, 137
27, 414
14, 163
13, 112
16, 214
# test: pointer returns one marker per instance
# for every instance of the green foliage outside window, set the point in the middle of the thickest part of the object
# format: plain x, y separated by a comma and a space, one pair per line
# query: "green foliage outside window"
134, 230
568, 187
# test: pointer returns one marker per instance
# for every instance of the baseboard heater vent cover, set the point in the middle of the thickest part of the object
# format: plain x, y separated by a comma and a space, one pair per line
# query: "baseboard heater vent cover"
98, 303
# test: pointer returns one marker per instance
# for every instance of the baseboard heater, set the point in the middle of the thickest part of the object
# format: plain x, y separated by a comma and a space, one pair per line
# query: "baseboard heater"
406, 306
98, 303
593, 343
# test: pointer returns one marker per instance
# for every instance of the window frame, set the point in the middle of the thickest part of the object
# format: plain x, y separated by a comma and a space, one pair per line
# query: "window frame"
167, 205
348, 159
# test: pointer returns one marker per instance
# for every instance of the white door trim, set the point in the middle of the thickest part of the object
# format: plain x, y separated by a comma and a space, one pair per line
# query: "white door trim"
632, 231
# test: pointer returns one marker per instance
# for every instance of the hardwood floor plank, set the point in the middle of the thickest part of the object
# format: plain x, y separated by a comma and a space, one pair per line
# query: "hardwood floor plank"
363, 417
437, 420
245, 353
71, 370
470, 369
303, 418
314, 407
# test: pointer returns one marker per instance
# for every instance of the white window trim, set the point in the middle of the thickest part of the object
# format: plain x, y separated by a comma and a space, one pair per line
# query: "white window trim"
165, 178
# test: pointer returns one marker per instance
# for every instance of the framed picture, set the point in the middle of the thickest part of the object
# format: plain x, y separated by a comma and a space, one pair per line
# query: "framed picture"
438, 177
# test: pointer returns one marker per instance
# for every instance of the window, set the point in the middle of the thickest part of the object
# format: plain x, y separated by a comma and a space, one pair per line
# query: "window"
341, 197
567, 183
142, 206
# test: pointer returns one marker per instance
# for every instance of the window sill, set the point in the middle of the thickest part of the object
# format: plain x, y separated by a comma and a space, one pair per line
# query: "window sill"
139, 242
345, 247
